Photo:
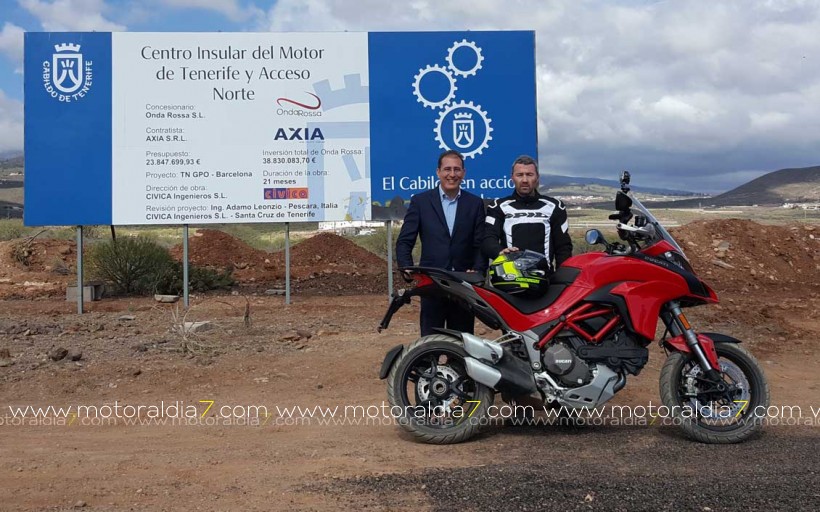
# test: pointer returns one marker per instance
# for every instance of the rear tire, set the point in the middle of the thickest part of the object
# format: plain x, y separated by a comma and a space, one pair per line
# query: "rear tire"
714, 418
439, 402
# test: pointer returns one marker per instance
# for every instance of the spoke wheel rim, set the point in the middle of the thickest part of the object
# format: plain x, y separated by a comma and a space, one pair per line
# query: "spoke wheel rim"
436, 382
714, 409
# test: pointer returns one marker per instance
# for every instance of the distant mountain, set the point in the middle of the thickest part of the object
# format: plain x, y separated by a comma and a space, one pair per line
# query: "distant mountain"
556, 181
11, 159
11, 153
800, 185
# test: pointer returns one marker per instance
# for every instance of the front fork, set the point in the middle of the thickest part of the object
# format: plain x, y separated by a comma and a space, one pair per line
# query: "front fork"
678, 325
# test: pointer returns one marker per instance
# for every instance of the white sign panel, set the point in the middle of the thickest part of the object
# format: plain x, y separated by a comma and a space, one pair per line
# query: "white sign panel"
216, 127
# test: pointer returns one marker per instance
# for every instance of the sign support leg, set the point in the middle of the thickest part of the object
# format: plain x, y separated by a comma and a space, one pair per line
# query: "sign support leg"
287, 262
185, 297
80, 288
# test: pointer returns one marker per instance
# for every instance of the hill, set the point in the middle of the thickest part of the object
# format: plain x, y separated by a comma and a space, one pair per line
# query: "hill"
12, 162
800, 185
578, 185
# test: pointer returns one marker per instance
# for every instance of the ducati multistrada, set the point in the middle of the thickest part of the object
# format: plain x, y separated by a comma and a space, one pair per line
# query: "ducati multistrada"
574, 346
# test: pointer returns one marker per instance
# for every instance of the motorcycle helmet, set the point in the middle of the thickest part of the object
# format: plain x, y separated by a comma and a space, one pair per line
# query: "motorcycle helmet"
521, 273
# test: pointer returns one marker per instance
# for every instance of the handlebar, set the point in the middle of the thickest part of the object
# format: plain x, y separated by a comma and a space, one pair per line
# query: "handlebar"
618, 249
633, 235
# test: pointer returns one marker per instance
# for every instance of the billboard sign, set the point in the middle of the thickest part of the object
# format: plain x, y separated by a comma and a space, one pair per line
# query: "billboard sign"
176, 128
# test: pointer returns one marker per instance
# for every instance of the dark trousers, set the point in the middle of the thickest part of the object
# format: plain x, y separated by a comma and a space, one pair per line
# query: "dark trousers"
439, 312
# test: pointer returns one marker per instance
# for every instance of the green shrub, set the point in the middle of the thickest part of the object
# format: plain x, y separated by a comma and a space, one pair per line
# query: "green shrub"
200, 279
140, 266
11, 229
132, 265
375, 242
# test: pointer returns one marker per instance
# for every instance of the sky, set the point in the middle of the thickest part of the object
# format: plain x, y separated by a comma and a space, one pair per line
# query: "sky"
702, 95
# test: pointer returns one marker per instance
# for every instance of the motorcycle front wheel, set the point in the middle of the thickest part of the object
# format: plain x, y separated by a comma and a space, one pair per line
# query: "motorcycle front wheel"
708, 415
431, 395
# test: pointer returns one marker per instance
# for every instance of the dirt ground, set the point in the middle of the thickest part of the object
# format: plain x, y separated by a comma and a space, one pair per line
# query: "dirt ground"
323, 350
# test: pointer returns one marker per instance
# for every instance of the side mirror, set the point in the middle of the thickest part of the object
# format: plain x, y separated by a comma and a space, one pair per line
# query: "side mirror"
594, 237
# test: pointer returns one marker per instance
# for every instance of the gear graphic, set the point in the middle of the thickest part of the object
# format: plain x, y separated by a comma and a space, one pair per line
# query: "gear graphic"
435, 68
352, 92
478, 58
477, 150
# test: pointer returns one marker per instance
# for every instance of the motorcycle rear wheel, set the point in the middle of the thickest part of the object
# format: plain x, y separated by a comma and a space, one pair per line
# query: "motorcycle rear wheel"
431, 395
711, 417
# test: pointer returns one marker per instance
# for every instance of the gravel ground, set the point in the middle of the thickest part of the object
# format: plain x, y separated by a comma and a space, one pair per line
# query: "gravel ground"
558, 468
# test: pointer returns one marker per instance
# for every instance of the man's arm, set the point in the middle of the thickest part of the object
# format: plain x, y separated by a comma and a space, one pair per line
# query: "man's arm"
408, 234
480, 263
559, 231
493, 231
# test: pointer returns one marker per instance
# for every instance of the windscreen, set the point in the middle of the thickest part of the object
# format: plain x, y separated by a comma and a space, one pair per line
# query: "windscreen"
658, 227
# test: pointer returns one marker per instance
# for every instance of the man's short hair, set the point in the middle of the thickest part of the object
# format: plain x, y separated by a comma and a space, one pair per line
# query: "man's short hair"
450, 152
525, 160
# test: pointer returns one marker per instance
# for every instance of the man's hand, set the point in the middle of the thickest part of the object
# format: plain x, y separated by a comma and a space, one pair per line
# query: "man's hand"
508, 250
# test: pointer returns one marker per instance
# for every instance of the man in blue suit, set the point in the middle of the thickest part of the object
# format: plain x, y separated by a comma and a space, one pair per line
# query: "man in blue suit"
450, 223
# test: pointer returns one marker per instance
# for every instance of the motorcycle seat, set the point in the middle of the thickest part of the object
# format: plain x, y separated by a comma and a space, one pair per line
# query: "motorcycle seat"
474, 278
559, 281
470, 277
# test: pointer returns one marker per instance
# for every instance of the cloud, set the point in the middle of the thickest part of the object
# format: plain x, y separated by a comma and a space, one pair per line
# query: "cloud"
685, 90
231, 9
71, 15
11, 123
700, 86
11, 43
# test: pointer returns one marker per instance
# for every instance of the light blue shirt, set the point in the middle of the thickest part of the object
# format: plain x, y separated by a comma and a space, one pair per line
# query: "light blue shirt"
449, 206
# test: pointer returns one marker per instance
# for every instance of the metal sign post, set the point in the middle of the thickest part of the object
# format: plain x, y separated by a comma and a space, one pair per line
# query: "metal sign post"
287, 262
185, 298
80, 289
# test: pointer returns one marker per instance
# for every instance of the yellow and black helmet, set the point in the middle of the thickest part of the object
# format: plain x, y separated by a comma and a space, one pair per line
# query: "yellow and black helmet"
520, 272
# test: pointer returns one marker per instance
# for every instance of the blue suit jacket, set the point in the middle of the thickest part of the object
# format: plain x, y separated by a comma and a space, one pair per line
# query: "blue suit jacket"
425, 219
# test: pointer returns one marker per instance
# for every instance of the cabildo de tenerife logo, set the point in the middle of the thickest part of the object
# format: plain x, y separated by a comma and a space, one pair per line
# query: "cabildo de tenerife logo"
67, 77
461, 125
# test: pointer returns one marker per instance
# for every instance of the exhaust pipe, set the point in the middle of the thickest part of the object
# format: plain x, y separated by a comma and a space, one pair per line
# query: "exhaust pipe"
497, 367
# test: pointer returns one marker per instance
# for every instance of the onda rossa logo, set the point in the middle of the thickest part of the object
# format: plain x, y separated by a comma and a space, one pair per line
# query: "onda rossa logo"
67, 76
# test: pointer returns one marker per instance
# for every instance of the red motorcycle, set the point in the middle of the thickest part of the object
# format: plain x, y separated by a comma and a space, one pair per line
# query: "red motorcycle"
574, 346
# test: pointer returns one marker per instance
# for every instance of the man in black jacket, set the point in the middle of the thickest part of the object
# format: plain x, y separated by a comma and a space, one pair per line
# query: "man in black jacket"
527, 220
450, 223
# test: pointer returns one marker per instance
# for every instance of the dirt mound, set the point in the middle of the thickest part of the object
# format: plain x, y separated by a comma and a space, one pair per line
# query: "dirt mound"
216, 249
212, 248
330, 249
39, 268
327, 253
323, 264
328, 264
742, 254
40, 255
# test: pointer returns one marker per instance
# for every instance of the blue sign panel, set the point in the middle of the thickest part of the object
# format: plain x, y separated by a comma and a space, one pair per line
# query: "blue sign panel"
473, 92
67, 128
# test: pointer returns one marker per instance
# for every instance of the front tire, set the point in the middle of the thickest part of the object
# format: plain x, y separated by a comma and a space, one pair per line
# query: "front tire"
709, 416
439, 402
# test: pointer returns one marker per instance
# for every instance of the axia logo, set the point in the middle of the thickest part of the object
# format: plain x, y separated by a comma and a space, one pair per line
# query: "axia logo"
299, 134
